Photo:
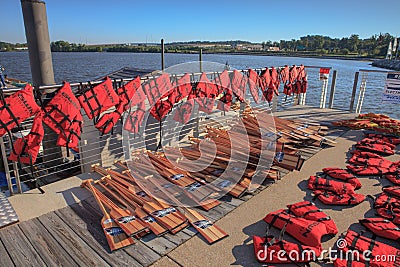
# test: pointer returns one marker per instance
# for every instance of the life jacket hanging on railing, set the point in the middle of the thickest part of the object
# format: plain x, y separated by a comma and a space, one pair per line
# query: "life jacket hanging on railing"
275, 83
238, 84
184, 111
303, 79
134, 119
253, 84
205, 94
63, 115
16, 108
131, 94
27, 148
157, 87
224, 102
284, 77
222, 82
181, 89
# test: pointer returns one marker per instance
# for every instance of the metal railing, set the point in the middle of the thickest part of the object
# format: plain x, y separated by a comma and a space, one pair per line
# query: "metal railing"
94, 148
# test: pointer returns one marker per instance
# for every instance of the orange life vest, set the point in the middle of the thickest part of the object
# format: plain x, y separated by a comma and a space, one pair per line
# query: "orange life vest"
134, 119
253, 85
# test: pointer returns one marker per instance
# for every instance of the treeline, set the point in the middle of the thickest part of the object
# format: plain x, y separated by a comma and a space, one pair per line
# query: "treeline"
374, 46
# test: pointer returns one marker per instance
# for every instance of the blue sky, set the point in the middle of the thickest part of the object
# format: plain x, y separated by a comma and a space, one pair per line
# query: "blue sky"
123, 21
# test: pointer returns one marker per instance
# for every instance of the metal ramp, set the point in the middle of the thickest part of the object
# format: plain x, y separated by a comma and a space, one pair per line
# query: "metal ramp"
7, 213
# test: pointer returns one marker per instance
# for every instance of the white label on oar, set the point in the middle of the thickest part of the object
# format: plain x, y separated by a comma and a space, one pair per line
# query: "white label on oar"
224, 183
177, 176
164, 212
149, 219
114, 231
126, 219
193, 187
279, 156
109, 221
202, 224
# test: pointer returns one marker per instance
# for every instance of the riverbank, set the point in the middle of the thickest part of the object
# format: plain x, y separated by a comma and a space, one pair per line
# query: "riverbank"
387, 64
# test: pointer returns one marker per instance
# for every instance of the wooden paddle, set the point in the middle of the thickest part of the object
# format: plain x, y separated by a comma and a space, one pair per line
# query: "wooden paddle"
126, 220
125, 200
116, 237
205, 227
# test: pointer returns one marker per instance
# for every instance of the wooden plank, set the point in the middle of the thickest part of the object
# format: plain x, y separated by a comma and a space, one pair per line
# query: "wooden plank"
218, 212
85, 221
5, 259
159, 244
47, 247
19, 248
236, 202
177, 238
70, 241
143, 254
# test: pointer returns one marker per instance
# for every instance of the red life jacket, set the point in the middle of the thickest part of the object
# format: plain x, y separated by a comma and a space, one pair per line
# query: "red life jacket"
376, 146
385, 138
27, 148
131, 94
306, 231
161, 109
108, 120
394, 178
388, 206
331, 198
222, 82
156, 88
98, 99
238, 84
309, 211
268, 95
183, 113
182, 88
253, 85
393, 190
264, 79
284, 74
319, 183
63, 116
274, 84
293, 75
135, 118
357, 242
224, 103
344, 175
267, 250
302, 78
205, 94
382, 227
16, 108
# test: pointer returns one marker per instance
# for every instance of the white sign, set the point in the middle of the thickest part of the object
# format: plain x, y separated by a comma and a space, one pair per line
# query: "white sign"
391, 93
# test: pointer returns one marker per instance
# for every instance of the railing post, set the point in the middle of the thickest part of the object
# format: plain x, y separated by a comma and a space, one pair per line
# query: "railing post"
162, 55
201, 59
333, 88
353, 93
6, 169
363, 87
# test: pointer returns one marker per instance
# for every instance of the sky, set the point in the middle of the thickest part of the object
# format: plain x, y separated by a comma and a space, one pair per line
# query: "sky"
132, 21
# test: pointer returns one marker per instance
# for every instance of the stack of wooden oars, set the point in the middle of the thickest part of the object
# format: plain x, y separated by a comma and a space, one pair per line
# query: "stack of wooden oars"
130, 212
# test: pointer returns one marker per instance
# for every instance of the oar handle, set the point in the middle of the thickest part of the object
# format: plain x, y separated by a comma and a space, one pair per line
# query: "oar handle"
88, 183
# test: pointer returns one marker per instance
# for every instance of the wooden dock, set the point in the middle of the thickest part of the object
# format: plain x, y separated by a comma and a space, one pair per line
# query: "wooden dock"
72, 236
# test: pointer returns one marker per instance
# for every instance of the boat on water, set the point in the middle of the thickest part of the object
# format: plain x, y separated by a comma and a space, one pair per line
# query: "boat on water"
13, 82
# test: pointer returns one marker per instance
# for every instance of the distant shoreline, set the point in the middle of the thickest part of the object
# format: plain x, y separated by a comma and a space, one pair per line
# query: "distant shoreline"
274, 54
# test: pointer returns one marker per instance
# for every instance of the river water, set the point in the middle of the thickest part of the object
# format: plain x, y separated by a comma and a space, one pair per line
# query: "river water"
77, 67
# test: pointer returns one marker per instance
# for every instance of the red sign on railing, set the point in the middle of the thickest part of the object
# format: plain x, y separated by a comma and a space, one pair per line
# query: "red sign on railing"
324, 73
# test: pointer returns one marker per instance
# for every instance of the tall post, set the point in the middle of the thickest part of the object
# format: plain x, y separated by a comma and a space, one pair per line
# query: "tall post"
201, 59
162, 55
333, 88
353, 93
37, 37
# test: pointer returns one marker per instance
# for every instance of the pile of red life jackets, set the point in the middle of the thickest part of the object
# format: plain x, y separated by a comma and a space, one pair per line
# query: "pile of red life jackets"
333, 192
356, 244
303, 221
387, 204
376, 145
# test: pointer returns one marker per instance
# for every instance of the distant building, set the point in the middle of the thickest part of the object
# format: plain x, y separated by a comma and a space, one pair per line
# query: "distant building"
273, 49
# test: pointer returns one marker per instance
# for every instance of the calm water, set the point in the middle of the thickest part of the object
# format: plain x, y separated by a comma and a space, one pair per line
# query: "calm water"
75, 67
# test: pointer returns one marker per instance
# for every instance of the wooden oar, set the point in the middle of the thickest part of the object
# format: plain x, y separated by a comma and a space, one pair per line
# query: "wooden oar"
127, 221
116, 237
150, 221
205, 227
